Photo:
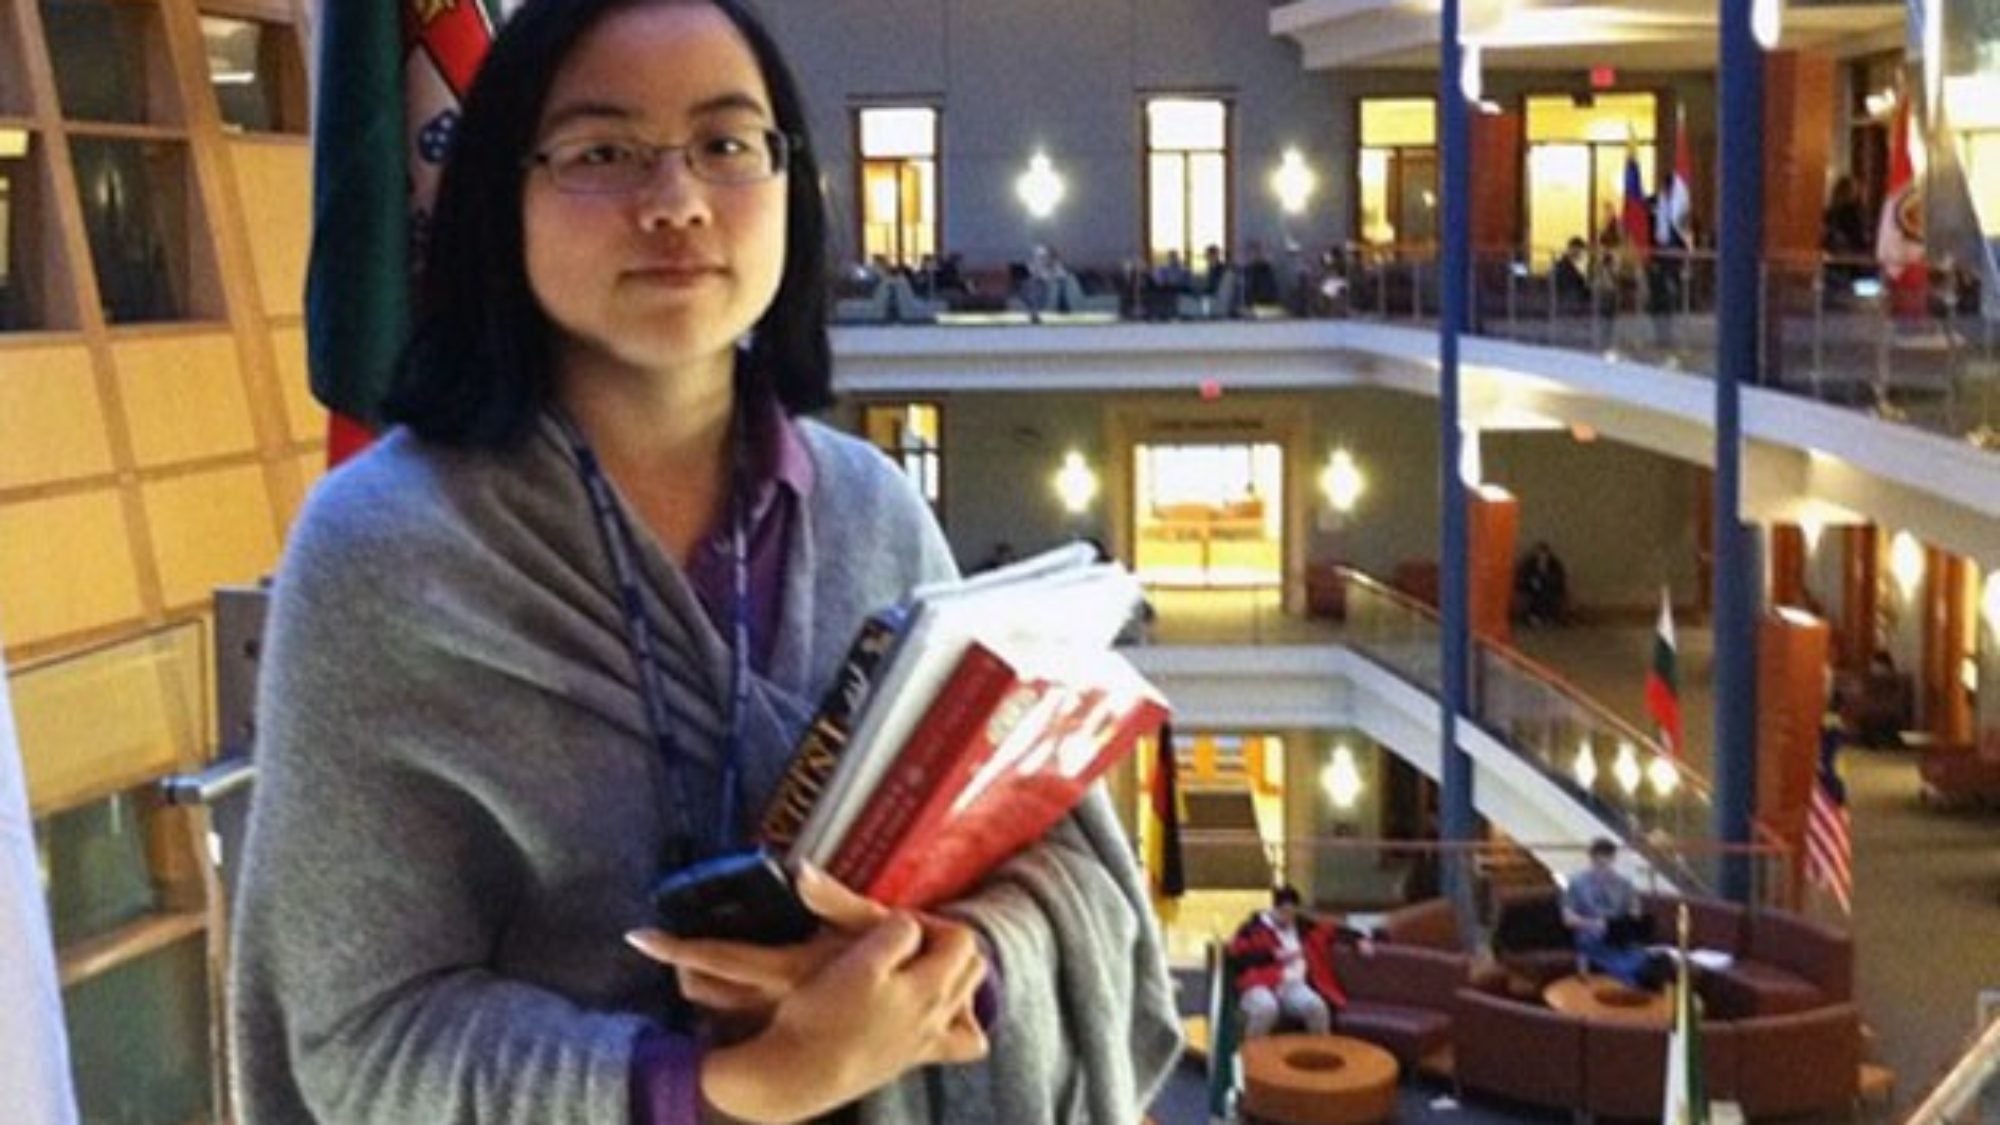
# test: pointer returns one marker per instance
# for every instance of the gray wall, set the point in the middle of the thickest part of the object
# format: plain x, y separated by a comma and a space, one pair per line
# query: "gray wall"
1014, 76
1621, 518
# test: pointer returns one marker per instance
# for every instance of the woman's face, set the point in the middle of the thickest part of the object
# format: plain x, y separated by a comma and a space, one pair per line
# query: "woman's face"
674, 271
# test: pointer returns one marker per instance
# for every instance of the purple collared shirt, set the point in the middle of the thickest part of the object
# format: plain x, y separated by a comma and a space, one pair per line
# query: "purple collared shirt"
666, 1067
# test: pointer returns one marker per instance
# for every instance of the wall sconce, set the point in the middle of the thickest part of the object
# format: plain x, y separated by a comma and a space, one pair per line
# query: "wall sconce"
1040, 188
1342, 779
1294, 182
1342, 481
1765, 17
1585, 767
1626, 768
1906, 563
1990, 601
1075, 484
1664, 775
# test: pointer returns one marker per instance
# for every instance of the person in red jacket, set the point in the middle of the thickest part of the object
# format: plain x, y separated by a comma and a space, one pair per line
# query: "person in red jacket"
1284, 966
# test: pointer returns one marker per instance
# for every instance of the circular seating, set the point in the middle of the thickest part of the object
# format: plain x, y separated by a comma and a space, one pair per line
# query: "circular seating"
1317, 1080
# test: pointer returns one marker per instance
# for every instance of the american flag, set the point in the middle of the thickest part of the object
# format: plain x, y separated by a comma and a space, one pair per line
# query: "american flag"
1829, 844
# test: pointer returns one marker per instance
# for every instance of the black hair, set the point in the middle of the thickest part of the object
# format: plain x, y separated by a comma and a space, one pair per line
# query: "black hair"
1602, 847
1286, 895
479, 366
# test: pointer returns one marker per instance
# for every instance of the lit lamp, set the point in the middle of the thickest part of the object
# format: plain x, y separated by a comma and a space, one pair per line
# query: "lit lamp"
1040, 188
1664, 775
1294, 182
1585, 767
1626, 768
1765, 16
1906, 563
1075, 484
1342, 481
1342, 779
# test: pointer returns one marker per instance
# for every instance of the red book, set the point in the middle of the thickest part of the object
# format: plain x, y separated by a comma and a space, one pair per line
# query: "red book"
1002, 764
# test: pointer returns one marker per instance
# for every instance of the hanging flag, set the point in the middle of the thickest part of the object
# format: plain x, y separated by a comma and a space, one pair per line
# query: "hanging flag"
1673, 212
1829, 838
34, 1064
1663, 681
391, 77
1163, 820
1687, 1093
1637, 221
1899, 236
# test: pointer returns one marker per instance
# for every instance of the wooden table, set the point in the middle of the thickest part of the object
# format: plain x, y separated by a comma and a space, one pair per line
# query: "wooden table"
1607, 999
1317, 1080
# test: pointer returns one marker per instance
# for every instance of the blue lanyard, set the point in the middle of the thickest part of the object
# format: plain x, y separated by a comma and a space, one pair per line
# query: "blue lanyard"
617, 537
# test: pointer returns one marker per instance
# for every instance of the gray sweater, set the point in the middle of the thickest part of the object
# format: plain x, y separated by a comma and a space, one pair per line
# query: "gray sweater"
459, 809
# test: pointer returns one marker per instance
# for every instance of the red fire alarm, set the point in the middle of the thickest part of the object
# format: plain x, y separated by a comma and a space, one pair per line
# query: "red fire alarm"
1603, 77
1211, 389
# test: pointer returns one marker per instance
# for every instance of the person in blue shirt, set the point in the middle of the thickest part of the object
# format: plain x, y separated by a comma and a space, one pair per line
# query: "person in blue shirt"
1595, 899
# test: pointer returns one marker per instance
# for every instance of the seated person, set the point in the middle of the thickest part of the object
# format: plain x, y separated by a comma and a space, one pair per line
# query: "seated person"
1285, 967
1542, 583
1573, 278
1602, 909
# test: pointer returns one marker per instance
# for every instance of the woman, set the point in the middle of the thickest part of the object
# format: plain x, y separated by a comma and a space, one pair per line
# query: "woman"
500, 692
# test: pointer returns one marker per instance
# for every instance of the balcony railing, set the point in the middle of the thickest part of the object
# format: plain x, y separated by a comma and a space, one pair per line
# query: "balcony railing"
1831, 330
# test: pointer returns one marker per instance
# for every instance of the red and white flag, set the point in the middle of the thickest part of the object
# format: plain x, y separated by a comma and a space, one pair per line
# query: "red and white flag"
1829, 839
1663, 681
1899, 237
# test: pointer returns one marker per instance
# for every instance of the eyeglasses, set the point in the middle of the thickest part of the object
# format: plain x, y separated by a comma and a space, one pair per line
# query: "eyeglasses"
610, 166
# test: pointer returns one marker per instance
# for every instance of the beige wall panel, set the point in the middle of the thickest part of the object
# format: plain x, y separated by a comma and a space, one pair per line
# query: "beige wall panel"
65, 567
183, 397
274, 182
51, 422
305, 418
210, 529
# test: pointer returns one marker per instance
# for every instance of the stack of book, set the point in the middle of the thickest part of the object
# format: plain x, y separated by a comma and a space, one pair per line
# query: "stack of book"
965, 723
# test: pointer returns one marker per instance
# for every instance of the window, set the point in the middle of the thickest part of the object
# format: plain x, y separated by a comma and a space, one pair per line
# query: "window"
136, 207
1398, 172
1187, 177
110, 62
258, 78
909, 433
25, 236
1577, 149
899, 189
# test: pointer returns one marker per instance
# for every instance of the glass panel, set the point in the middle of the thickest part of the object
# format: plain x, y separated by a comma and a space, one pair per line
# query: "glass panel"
135, 208
255, 71
1208, 201
1396, 122
1167, 211
908, 131
919, 210
1558, 200
26, 250
1416, 196
881, 204
1376, 225
139, 1039
1592, 117
1186, 123
94, 861
1982, 173
109, 61
1208, 515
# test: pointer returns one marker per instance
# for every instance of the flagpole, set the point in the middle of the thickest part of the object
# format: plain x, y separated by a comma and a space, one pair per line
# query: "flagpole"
1740, 232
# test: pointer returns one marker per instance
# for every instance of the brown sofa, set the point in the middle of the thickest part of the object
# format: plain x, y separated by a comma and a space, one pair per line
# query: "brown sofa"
1400, 997
1529, 938
1786, 964
1773, 1066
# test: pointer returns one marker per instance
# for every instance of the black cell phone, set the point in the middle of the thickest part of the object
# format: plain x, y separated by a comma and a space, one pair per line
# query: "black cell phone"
745, 897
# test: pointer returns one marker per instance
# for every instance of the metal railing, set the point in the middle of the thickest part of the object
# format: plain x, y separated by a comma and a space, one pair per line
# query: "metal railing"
1970, 1091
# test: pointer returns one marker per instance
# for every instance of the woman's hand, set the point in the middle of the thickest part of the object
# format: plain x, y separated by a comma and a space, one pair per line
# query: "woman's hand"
740, 983
896, 998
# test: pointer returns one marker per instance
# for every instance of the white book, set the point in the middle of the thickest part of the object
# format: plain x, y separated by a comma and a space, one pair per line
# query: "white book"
1061, 598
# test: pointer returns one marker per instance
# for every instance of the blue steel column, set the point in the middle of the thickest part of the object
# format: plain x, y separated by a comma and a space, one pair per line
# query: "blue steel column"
1457, 821
1740, 237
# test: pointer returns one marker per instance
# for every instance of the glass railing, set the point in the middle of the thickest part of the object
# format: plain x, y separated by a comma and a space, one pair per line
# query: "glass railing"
1969, 1092
1831, 330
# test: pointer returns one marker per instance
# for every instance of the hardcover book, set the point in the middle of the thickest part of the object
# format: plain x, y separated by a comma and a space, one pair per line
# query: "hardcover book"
964, 726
